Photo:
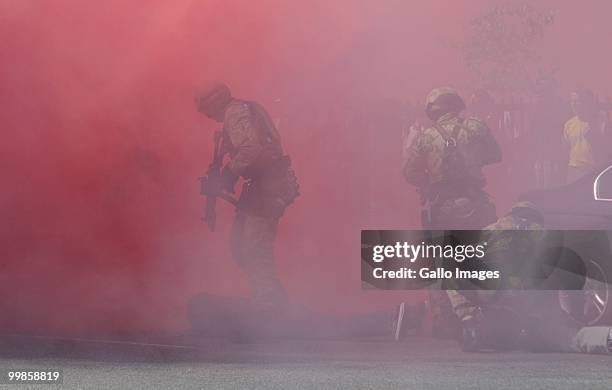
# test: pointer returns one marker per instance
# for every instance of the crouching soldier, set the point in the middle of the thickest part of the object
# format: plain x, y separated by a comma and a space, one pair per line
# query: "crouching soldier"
515, 318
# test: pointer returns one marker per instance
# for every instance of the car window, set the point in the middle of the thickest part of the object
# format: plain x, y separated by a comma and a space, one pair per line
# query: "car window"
602, 188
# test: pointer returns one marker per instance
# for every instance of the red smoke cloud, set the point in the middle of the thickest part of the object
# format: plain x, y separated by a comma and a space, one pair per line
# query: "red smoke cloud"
102, 146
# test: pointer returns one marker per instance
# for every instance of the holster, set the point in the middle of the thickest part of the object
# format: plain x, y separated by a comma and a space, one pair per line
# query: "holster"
269, 192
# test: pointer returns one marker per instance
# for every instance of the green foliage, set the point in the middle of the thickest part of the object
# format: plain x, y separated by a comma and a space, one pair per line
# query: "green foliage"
500, 48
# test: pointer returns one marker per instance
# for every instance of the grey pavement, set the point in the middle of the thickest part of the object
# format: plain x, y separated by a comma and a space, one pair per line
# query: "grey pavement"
417, 363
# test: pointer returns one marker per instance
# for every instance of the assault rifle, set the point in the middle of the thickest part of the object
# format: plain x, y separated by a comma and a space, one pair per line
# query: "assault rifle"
210, 186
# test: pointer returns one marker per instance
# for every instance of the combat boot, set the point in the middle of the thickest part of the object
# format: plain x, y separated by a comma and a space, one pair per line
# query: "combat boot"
472, 339
489, 329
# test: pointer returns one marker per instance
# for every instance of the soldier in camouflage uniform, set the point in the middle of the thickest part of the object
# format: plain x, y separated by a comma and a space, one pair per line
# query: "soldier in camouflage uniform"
253, 144
465, 304
508, 318
445, 162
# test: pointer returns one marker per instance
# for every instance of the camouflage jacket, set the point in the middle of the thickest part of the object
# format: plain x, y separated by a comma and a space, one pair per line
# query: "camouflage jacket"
514, 240
250, 138
424, 164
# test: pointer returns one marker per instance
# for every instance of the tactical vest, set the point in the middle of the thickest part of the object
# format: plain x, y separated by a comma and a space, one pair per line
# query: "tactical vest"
268, 138
453, 168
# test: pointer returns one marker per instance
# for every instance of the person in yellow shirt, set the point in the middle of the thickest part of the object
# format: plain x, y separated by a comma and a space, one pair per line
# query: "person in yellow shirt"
584, 134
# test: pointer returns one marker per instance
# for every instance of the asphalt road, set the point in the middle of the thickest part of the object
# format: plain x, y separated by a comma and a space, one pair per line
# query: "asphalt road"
215, 364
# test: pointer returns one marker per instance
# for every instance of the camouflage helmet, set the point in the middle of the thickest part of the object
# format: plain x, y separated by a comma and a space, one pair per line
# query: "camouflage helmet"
441, 101
435, 93
212, 97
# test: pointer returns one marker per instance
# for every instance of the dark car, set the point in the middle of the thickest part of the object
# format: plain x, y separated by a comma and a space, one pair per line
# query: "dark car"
585, 207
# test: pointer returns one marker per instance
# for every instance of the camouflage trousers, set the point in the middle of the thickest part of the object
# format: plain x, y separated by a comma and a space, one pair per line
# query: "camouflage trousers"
459, 213
252, 242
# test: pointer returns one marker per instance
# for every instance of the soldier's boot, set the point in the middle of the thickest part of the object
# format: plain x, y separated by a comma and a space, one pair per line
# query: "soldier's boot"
465, 313
472, 337
445, 322
489, 329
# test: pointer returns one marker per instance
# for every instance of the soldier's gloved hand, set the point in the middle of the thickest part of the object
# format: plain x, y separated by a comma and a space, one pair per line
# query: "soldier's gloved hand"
228, 179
